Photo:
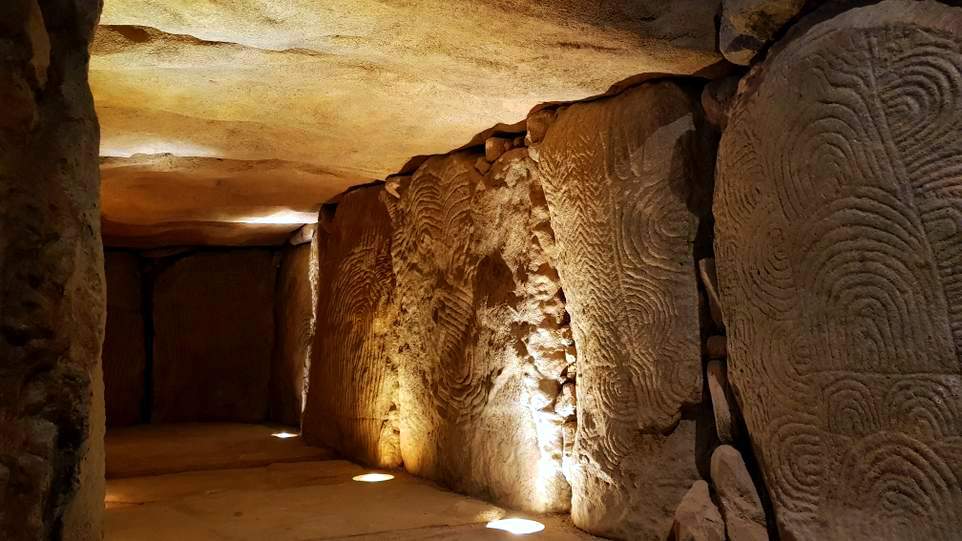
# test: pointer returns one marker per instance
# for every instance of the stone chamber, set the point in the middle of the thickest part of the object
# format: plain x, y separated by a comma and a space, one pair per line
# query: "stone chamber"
646, 270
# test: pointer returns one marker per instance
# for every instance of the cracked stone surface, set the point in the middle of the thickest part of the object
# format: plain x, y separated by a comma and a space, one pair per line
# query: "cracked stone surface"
267, 109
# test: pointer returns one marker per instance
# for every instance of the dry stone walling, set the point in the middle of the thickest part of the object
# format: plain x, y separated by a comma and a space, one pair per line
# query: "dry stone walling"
839, 211
51, 276
484, 350
618, 174
352, 401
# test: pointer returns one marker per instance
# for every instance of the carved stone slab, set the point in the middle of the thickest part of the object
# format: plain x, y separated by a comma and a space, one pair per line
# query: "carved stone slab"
617, 175
482, 338
352, 399
839, 252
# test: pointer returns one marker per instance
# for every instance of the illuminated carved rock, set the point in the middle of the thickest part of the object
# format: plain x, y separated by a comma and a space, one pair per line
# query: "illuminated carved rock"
352, 397
213, 337
297, 283
482, 337
618, 174
839, 211
124, 350
51, 276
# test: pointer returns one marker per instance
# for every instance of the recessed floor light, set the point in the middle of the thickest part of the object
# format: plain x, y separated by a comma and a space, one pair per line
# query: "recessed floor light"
373, 477
517, 526
284, 435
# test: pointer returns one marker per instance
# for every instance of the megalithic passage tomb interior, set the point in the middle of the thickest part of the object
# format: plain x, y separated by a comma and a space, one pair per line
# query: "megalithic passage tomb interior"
569, 270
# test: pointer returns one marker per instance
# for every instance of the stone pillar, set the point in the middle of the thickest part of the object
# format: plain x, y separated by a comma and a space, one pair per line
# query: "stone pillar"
352, 399
294, 300
483, 343
51, 276
618, 174
839, 254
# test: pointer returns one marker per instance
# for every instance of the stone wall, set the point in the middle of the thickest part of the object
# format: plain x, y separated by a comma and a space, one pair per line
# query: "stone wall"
125, 348
618, 175
51, 276
213, 319
294, 302
352, 402
839, 211
482, 339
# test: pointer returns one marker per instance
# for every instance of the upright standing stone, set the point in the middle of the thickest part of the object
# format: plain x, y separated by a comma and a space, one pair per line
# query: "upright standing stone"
213, 337
618, 174
482, 339
352, 399
297, 283
51, 276
741, 506
839, 252
125, 350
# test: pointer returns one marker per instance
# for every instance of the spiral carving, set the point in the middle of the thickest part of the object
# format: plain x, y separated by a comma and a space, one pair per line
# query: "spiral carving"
617, 175
839, 208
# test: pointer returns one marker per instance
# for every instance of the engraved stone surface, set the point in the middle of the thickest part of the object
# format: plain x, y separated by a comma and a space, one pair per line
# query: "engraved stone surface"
297, 283
125, 349
213, 337
617, 174
839, 211
483, 337
352, 396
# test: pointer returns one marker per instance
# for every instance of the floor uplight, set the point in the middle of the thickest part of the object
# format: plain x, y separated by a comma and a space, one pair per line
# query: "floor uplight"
373, 477
517, 526
284, 435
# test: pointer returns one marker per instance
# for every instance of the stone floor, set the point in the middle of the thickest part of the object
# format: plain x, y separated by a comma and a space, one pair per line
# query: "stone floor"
295, 494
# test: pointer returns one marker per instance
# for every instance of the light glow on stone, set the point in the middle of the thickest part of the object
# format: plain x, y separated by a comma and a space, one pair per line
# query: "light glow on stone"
284, 435
516, 526
373, 477
283, 217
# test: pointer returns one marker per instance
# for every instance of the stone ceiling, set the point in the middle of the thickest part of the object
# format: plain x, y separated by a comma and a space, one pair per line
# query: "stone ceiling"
232, 121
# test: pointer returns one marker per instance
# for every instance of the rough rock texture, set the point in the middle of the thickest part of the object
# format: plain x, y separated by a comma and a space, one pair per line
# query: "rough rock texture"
352, 399
839, 207
725, 419
744, 515
697, 518
51, 276
748, 26
297, 283
617, 174
125, 349
264, 80
484, 345
213, 337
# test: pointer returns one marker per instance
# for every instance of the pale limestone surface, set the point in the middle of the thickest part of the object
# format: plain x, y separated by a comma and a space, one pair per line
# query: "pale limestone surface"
617, 174
347, 90
697, 517
482, 342
838, 213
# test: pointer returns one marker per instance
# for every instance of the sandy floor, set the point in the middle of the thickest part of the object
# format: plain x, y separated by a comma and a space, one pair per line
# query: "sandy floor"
287, 500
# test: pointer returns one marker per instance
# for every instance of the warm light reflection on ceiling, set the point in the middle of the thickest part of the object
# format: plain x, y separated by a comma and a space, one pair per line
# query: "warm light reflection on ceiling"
284, 435
283, 217
517, 526
373, 477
